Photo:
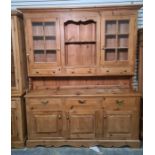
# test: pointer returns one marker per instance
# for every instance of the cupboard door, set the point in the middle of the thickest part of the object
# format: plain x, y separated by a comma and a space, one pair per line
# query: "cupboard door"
14, 121
117, 41
83, 124
120, 125
14, 56
43, 45
45, 124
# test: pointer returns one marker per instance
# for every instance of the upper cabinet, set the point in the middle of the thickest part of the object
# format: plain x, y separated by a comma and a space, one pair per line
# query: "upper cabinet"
43, 51
18, 61
81, 42
118, 43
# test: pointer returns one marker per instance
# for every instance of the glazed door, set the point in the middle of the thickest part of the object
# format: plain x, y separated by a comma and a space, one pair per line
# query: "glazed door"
120, 125
118, 43
43, 45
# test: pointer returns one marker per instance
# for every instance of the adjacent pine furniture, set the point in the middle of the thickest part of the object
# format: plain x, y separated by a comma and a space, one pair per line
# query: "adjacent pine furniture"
18, 81
80, 67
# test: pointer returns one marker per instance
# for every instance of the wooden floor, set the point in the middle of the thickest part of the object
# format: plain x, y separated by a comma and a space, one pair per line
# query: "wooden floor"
76, 151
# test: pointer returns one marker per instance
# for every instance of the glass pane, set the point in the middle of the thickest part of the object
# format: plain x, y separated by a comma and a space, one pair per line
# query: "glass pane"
51, 56
38, 43
111, 27
123, 54
123, 27
39, 56
110, 42
50, 42
50, 28
109, 55
123, 41
37, 29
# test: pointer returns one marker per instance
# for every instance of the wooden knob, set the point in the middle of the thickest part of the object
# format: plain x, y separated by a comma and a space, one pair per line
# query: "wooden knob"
105, 117
67, 116
89, 71
44, 102
82, 101
59, 116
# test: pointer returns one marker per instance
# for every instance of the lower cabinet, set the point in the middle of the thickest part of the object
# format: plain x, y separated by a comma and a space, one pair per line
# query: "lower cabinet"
70, 120
121, 118
18, 124
83, 117
44, 118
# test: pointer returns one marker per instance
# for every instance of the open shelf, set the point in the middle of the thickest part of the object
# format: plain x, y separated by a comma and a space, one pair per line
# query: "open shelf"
80, 43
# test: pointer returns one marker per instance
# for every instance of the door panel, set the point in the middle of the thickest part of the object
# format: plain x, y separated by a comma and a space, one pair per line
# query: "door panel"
119, 124
83, 124
14, 121
45, 124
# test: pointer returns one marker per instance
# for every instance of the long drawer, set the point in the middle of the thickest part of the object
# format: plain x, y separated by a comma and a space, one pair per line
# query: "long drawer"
120, 103
47, 104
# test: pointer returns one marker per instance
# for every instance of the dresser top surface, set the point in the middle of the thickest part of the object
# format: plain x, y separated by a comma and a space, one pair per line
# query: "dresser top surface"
81, 92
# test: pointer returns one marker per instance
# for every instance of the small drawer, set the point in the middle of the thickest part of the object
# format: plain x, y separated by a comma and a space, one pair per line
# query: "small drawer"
120, 103
47, 104
93, 103
115, 71
79, 70
46, 71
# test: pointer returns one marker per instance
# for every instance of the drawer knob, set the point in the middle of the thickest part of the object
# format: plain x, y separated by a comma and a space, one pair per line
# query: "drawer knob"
105, 117
89, 71
59, 116
67, 116
119, 102
44, 102
82, 101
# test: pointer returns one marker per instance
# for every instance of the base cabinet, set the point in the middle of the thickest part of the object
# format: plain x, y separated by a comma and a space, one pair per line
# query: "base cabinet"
82, 121
18, 128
